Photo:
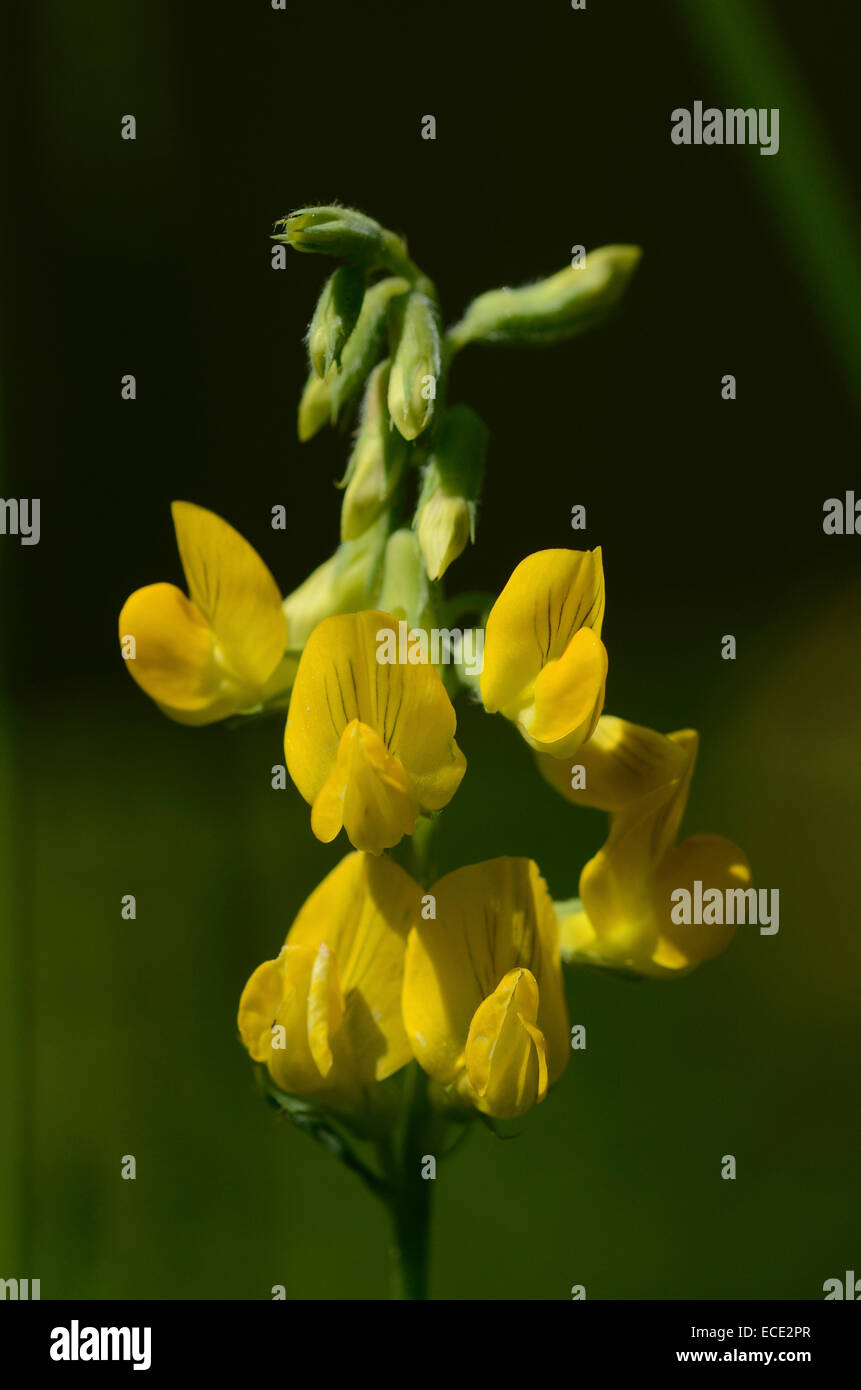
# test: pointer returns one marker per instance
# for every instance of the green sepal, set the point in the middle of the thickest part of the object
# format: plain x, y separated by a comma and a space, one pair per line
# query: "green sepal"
494, 1126
323, 1128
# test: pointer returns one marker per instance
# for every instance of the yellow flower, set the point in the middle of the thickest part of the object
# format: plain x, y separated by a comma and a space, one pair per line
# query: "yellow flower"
625, 892
369, 745
620, 763
545, 666
484, 1005
219, 651
325, 1017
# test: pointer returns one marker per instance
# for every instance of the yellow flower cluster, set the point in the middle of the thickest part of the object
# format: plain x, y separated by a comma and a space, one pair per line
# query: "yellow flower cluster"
363, 984
465, 975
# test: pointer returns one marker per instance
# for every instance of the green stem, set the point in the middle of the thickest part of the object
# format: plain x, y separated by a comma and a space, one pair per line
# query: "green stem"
453, 343
397, 262
421, 850
410, 1203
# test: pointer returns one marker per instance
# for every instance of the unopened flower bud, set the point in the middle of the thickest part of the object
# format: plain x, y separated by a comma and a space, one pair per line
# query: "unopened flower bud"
376, 463
416, 365
335, 317
315, 407
364, 344
444, 528
345, 233
506, 1051
451, 483
566, 304
405, 591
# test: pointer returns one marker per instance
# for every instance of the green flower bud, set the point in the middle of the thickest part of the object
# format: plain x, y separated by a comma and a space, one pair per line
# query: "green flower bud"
444, 527
564, 305
345, 583
416, 364
405, 591
451, 484
364, 344
315, 407
335, 317
345, 233
377, 461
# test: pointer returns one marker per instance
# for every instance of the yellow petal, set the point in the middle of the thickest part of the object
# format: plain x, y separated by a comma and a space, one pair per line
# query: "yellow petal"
625, 889
688, 740
258, 1006
294, 1066
491, 918
340, 681
506, 1053
643, 832
325, 1007
336, 987
716, 863
174, 661
234, 591
423, 723
551, 595
616, 885
568, 697
362, 912
366, 792
621, 762
273, 1021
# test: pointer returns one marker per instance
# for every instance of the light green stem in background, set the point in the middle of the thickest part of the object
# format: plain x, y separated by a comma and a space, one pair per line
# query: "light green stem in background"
743, 46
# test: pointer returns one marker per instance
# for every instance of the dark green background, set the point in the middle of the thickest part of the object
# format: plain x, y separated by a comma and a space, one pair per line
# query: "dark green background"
152, 257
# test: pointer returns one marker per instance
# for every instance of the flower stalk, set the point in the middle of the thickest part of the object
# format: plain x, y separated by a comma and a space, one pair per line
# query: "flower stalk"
411, 1194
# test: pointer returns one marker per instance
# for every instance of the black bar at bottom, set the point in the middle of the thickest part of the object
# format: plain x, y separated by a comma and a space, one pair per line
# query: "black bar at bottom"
272, 1339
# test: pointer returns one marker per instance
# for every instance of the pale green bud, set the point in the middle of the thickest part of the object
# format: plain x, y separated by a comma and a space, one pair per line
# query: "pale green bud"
345, 583
451, 484
405, 591
566, 304
335, 317
344, 233
377, 461
364, 344
416, 365
444, 528
315, 407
